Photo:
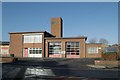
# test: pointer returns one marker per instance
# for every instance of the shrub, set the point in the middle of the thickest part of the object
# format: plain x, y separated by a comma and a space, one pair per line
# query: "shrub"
110, 56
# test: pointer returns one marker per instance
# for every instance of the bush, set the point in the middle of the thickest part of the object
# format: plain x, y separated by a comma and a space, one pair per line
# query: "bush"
110, 56
109, 52
11, 55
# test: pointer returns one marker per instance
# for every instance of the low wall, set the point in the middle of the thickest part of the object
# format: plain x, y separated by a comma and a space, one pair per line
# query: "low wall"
55, 56
93, 55
106, 62
7, 59
72, 56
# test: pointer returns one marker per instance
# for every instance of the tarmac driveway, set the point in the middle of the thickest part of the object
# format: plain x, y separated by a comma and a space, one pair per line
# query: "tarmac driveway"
56, 69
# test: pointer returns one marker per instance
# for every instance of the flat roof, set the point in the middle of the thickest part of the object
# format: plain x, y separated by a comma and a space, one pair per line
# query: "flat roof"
4, 42
28, 32
93, 43
45, 32
67, 38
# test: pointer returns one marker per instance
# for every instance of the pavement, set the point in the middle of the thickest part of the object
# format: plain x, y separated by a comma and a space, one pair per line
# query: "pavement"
97, 66
57, 69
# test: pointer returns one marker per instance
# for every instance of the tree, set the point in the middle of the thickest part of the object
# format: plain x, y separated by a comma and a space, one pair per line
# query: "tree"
80, 36
103, 41
93, 40
115, 44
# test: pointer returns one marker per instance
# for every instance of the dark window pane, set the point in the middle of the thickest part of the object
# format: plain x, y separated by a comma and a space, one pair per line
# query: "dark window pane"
77, 53
30, 51
40, 51
33, 51
36, 51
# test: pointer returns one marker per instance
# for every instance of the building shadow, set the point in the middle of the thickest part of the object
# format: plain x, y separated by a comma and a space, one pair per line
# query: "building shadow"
34, 69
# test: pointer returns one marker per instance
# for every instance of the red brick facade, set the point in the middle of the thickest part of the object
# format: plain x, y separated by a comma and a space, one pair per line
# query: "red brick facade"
21, 49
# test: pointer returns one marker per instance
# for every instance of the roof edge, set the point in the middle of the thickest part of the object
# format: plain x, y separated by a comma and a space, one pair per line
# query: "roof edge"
27, 32
67, 38
4, 42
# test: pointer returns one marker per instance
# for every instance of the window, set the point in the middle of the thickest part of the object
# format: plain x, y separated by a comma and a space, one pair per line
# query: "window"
35, 51
33, 38
4, 51
93, 50
73, 48
54, 47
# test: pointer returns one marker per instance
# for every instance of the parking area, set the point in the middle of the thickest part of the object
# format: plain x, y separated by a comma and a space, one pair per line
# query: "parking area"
56, 69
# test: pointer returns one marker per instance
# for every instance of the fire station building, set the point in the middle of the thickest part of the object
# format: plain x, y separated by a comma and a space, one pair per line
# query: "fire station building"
43, 44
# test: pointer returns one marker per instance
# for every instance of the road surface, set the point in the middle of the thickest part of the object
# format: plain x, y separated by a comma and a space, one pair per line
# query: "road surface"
56, 70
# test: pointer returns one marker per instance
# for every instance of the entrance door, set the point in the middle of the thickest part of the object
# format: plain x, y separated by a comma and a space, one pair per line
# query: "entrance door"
25, 52
34, 52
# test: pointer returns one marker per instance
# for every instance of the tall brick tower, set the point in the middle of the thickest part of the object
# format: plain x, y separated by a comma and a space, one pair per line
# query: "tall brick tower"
56, 27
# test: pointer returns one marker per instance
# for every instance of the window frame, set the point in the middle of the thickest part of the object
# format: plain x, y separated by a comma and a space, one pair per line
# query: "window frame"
93, 50
32, 38
34, 50
54, 47
72, 48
